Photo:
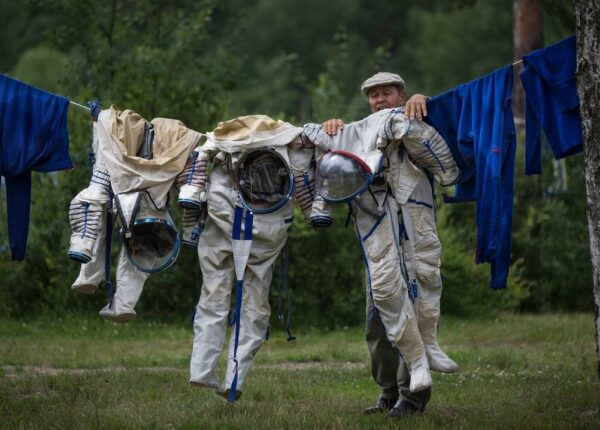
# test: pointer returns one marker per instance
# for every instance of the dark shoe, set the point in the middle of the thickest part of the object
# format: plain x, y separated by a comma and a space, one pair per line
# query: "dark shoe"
225, 394
383, 405
404, 409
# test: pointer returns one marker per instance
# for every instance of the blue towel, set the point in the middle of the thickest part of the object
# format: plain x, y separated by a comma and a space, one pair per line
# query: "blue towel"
33, 137
476, 120
551, 102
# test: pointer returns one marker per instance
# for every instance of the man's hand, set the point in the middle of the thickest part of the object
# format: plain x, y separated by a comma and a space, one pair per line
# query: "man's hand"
416, 107
332, 126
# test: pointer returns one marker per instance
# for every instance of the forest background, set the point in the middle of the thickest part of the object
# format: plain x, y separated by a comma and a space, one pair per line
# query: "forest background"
301, 61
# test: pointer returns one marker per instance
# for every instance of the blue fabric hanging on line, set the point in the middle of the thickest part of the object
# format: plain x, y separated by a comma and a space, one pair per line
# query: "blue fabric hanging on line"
33, 137
551, 103
476, 120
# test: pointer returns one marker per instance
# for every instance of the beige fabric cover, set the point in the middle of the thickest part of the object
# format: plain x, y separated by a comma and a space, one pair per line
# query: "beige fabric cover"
250, 132
120, 135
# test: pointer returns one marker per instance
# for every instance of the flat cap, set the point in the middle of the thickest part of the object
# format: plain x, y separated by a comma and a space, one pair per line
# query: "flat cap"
381, 78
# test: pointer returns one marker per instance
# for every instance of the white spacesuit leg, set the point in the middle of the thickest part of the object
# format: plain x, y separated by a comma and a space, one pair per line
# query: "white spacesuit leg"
92, 274
216, 263
423, 251
379, 237
269, 237
130, 283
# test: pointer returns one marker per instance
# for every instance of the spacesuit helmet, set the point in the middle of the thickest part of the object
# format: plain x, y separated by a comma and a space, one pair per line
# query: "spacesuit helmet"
148, 232
342, 176
264, 180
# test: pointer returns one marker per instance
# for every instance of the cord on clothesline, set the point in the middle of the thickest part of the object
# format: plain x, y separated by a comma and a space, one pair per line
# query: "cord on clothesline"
517, 62
79, 105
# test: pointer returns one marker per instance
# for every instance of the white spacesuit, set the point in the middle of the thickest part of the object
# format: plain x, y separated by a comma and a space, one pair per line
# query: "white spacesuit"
365, 167
249, 212
136, 165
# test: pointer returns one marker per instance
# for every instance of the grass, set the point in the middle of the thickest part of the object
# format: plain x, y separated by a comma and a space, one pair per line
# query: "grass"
517, 371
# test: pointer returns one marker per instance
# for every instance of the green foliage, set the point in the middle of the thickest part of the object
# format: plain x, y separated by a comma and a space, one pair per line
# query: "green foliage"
326, 273
456, 45
153, 57
42, 67
336, 93
551, 236
466, 285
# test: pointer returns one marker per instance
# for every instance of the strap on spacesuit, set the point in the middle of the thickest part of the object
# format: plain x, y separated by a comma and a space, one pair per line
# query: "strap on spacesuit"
94, 107
241, 252
307, 184
109, 231
410, 276
283, 289
126, 225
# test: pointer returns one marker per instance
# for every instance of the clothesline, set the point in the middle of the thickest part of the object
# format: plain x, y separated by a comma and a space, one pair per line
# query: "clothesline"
79, 105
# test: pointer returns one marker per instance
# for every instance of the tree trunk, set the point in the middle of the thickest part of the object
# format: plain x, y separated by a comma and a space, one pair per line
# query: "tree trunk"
528, 35
587, 16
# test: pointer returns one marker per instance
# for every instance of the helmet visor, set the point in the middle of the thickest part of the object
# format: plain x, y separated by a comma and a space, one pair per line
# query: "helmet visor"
264, 180
153, 245
341, 176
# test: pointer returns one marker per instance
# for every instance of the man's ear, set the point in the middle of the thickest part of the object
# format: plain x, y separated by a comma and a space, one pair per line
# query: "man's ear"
402, 95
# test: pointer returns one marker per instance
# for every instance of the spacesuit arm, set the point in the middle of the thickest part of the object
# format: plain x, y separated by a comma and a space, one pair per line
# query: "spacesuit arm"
425, 146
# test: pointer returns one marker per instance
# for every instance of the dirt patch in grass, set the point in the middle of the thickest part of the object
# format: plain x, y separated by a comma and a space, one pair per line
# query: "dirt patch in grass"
302, 365
15, 372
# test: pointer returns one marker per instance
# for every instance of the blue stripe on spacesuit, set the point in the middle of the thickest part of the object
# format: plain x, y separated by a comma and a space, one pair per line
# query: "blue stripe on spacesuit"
248, 225
396, 234
307, 185
237, 223
366, 262
417, 202
239, 287
374, 227
107, 252
86, 207
192, 173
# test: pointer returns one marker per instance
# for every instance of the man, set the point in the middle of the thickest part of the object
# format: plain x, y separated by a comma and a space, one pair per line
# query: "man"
422, 254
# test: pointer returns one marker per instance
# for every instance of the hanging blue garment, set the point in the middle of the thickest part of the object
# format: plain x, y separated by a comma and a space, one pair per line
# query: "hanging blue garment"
33, 137
551, 102
476, 120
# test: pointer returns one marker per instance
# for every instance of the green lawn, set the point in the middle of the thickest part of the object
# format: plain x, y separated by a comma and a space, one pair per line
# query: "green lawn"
531, 372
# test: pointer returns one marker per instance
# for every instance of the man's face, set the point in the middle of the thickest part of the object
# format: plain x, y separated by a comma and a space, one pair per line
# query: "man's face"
385, 97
